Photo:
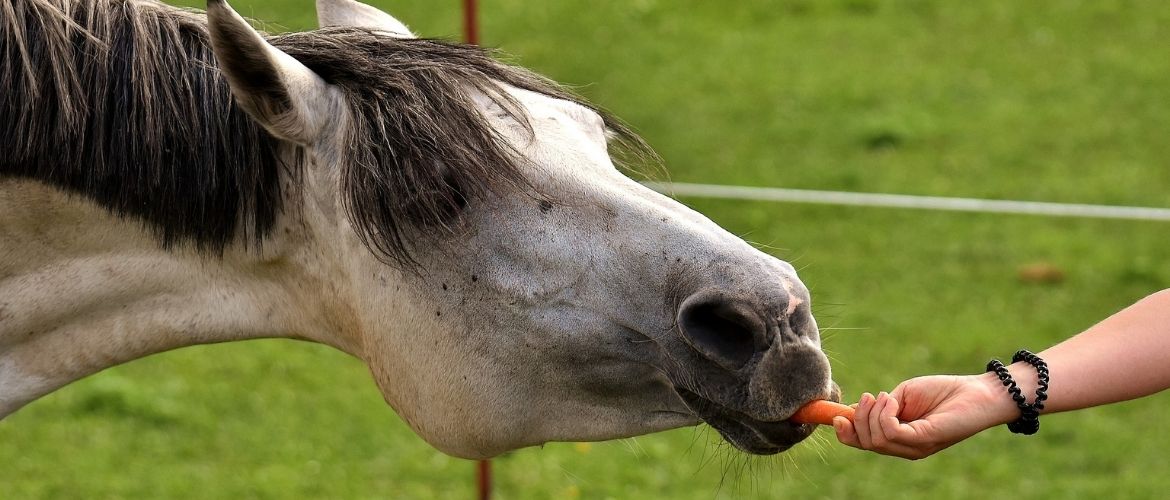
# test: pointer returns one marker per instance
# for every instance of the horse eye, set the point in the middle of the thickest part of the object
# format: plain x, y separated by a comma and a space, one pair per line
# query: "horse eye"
458, 196
454, 199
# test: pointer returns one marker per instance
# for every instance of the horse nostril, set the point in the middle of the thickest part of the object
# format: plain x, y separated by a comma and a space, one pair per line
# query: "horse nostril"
722, 330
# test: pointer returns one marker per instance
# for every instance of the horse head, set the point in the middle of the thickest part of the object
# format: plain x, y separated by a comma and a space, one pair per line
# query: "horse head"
555, 299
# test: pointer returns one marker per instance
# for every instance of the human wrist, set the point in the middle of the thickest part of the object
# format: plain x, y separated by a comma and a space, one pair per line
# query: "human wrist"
1000, 400
1001, 409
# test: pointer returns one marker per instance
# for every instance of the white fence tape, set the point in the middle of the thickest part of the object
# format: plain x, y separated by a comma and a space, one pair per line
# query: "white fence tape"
909, 201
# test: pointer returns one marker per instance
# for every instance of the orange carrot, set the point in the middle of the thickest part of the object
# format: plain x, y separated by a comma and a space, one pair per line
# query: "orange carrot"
821, 412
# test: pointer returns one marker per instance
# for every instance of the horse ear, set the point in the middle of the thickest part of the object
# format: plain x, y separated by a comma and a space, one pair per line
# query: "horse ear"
279, 92
353, 14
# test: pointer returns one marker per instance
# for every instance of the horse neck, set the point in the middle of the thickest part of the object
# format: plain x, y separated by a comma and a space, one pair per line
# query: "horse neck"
81, 291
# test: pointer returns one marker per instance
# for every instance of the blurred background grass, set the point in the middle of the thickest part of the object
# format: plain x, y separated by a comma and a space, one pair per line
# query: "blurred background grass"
1054, 101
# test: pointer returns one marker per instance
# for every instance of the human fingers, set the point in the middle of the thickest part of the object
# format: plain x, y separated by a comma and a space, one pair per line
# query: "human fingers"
893, 428
847, 433
907, 439
877, 436
861, 420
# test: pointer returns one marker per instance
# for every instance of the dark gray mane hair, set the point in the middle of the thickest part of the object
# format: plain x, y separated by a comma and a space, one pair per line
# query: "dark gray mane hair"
121, 102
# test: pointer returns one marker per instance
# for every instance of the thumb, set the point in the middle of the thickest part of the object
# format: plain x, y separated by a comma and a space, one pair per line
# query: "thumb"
846, 434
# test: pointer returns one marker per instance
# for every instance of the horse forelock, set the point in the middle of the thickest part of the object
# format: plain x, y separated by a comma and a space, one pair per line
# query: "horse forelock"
121, 102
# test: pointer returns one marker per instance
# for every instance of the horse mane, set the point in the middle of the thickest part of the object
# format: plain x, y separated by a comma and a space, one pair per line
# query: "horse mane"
120, 101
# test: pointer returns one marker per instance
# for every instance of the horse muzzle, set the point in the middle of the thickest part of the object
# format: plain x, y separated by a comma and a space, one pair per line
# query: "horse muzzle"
752, 359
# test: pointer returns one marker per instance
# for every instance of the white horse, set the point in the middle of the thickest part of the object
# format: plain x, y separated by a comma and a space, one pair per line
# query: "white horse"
455, 223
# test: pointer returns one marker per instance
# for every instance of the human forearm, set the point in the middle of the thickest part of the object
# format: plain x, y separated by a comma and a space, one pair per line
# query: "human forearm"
1126, 356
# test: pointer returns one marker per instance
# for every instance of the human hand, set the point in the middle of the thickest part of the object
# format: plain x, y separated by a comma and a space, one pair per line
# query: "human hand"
925, 415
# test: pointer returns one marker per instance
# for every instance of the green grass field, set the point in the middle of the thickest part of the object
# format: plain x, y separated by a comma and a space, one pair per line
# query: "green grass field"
1054, 101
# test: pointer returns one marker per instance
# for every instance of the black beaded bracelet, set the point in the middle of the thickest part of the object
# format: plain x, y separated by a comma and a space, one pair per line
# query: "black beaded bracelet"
1029, 421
